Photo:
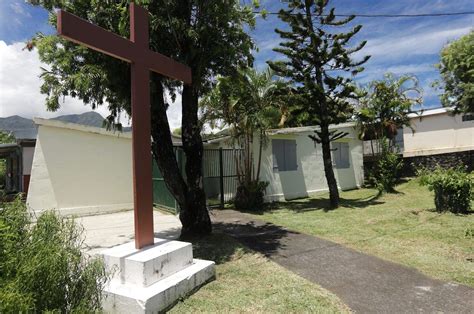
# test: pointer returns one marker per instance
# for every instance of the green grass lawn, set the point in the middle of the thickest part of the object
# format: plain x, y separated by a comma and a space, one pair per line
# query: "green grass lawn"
402, 228
247, 282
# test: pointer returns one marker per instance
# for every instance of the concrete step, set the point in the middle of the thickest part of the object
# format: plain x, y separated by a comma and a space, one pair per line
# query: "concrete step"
147, 266
124, 298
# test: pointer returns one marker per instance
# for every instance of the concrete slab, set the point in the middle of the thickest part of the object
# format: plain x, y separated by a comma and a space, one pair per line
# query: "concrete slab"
108, 230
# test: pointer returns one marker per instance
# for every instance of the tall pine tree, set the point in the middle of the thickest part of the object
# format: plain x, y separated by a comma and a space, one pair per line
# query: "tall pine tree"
318, 61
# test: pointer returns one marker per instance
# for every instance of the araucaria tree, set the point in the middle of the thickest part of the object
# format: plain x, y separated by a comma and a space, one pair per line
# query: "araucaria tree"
319, 62
208, 36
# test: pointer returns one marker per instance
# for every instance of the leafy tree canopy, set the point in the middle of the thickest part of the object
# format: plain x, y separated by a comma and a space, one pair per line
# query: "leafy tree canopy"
386, 104
457, 72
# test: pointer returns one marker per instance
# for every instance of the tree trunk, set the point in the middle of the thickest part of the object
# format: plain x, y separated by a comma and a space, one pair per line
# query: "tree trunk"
162, 146
194, 215
328, 170
259, 156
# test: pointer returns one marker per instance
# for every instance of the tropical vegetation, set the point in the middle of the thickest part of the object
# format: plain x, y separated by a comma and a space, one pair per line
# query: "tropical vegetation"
457, 73
42, 267
247, 104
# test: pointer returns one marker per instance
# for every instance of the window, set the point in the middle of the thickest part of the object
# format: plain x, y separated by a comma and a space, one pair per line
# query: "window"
340, 155
468, 117
284, 155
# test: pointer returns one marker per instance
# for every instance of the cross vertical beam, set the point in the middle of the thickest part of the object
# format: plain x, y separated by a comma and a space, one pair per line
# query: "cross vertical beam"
141, 130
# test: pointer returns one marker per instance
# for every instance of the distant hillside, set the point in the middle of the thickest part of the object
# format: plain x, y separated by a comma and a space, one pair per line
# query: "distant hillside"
19, 126
23, 128
90, 118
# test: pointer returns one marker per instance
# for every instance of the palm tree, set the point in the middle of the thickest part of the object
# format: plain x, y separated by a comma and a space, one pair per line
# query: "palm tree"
386, 106
248, 104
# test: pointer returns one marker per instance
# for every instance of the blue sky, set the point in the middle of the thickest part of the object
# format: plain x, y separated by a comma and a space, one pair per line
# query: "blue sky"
399, 45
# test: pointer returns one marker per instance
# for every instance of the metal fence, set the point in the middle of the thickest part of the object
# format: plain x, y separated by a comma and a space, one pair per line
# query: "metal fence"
220, 178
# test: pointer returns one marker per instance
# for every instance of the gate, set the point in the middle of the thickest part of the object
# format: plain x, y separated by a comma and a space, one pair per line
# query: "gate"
220, 178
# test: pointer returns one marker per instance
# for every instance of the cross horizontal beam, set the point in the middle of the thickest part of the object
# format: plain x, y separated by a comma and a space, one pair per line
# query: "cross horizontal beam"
80, 31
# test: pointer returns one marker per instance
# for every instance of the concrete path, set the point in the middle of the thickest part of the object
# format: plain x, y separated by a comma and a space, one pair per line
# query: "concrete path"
367, 284
105, 231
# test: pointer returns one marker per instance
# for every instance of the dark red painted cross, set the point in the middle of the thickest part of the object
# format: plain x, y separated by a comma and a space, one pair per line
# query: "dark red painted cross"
135, 51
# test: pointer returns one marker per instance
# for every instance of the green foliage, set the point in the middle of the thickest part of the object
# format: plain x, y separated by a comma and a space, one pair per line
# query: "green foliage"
457, 72
209, 38
247, 103
42, 267
249, 196
453, 188
386, 172
385, 106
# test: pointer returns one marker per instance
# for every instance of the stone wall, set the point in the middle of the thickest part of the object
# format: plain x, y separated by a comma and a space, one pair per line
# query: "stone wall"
448, 160
410, 164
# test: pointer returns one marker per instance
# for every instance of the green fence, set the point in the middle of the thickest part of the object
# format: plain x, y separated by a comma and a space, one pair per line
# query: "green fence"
161, 195
219, 178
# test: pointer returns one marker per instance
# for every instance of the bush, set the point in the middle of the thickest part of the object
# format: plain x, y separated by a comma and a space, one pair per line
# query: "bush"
42, 267
386, 172
250, 196
453, 188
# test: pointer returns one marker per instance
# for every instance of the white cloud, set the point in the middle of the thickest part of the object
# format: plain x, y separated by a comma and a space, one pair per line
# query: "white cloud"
428, 42
18, 9
20, 89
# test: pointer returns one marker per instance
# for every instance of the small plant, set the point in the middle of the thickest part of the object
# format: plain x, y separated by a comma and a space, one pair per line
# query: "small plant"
453, 188
42, 267
387, 170
250, 196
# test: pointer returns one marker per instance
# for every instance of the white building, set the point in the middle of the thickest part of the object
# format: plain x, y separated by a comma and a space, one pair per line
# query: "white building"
437, 131
292, 163
80, 169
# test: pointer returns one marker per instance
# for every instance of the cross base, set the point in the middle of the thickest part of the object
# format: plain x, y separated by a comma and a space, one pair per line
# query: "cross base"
154, 278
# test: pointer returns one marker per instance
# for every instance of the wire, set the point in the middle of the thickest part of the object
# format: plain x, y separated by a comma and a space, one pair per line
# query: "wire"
382, 15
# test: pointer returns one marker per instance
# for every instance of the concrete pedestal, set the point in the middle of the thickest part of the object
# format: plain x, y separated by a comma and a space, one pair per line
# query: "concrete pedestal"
152, 279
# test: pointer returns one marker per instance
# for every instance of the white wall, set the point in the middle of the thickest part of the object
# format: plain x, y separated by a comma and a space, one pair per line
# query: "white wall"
438, 134
77, 170
309, 176
27, 155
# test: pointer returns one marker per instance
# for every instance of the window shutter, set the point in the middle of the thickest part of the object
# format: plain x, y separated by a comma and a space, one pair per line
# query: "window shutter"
291, 163
278, 151
344, 155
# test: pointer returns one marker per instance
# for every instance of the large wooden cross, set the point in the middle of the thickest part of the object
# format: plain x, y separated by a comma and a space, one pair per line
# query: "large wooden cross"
135, 51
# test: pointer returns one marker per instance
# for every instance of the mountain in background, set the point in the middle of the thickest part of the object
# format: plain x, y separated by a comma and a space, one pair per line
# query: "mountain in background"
23, 128
90, 118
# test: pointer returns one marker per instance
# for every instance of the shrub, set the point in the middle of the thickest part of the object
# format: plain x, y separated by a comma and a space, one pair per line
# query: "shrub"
249, 196
386, 172
453, 188
42, 267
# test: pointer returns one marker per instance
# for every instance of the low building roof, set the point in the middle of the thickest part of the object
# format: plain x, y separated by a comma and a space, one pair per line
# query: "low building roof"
430, 112
92, 129
309, 128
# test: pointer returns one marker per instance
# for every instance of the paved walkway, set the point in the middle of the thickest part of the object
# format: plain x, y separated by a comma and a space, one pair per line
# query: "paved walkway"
367, 284
105, 231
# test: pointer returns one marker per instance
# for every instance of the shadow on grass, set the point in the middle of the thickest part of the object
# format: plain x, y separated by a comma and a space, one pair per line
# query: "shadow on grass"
321, 203
223, 246
217, 247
